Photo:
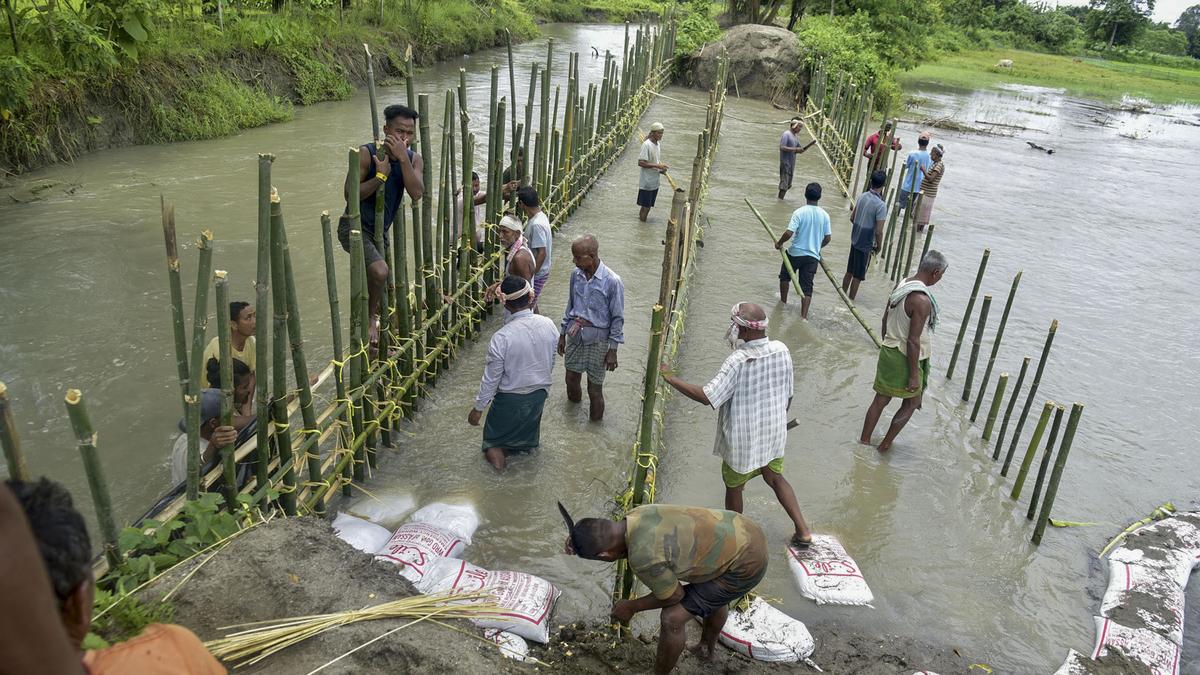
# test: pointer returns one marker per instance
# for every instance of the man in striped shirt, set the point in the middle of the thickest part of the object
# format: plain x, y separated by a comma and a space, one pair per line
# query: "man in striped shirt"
929, 186
751, 393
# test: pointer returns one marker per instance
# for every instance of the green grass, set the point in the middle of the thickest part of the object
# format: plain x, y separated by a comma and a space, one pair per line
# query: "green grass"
1089, 78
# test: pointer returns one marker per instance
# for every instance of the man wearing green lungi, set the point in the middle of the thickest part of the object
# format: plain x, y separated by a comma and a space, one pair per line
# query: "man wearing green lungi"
903, 368
516, 379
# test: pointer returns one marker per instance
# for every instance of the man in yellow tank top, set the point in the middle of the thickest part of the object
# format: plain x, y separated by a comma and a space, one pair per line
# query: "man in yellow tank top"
903, 368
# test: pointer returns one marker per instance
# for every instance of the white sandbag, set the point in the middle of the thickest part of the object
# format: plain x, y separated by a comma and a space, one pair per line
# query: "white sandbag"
387, 508
1173, 564
511, 646
416, 546
1157, 652
1144, 597
827, 574
1075, 664
461, 519
361, 534
766, 634
525, 600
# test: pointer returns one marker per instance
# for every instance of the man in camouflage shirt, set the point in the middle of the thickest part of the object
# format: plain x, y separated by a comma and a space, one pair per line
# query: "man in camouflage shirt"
721, 555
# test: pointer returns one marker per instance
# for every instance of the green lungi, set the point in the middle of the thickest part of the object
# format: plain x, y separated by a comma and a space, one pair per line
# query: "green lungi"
514, 422
891, 374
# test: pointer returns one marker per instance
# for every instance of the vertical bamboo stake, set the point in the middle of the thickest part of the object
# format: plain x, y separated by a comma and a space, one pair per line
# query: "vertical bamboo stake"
987, 372
912, 237
1045, 464
1037, 379
262, 300
995, 409
962, 329
9, 440
176, 288
433, 298
649, 394
335, 323
1038, 431
1008, 411
225, 351
512, 86
1060, 462
891, 225
925, 246
670, 262
376, 128
418, 287
358, 345
524, 140
282, 434
199, 326
983, 313
82, 425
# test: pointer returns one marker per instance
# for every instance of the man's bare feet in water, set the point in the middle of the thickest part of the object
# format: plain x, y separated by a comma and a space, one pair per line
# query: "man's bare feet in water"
702, 651
865, 440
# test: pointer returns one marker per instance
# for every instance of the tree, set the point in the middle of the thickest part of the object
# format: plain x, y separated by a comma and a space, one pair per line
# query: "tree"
1113, 19
1189, 24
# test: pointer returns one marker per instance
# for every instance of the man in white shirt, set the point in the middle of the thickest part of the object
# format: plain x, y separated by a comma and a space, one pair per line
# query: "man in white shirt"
540, 238
516, 379
650, 161
752, 393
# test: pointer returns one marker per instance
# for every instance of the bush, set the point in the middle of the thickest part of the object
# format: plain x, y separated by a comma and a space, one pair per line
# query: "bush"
695, 27
849, 45
1162, 41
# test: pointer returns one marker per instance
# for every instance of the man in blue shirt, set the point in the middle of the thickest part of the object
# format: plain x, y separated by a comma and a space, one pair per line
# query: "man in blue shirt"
916, 164
809, 232
592, 325
868, 216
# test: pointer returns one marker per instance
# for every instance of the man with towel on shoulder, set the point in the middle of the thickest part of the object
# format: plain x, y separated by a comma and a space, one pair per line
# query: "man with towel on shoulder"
903, 367
519, 259
516, 379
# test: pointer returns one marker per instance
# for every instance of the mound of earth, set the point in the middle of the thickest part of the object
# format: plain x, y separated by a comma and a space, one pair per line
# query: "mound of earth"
764, 61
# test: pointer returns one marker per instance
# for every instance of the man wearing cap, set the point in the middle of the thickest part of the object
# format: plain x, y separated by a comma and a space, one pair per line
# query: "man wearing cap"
214, 436
751, 393
916, 164
929, 186
516, 377
650, 161
519, 260
789, 147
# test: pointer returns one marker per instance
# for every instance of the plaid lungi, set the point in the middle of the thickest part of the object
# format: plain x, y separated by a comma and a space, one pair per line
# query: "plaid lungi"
581, 358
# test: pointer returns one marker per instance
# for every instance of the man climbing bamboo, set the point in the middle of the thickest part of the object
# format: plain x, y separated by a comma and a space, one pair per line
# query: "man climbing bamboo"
902, 370
720, 555
751, 393
593, 324
397, 172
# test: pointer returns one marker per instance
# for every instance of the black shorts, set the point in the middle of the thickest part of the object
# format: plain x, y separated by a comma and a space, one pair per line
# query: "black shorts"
370, 252
646, 197
806, 269
857, 265
705, 598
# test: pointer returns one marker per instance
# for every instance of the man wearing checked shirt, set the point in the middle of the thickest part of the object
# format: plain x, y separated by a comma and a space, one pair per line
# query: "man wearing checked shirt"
752, 393
593, 324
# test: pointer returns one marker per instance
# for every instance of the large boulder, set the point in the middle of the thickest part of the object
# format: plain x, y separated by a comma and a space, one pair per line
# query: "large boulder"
764, 61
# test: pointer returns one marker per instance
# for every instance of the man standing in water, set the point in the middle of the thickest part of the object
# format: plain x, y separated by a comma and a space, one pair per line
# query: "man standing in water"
398, 172
903, 367
751, 393
871, 147
241, 325
809, 232
929, 186
720, 554
540, 238
592, 325
868, 216
516, 379
650, 161
519, 260
916, 164
789, 147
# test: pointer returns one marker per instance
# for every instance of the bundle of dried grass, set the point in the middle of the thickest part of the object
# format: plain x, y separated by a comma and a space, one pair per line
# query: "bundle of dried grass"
260, 639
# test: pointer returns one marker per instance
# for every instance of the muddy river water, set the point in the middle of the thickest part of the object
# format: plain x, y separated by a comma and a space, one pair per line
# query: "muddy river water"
1103, 230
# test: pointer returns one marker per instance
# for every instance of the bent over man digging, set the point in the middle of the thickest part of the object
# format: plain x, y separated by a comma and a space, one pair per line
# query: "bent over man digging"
752, 393
721, 555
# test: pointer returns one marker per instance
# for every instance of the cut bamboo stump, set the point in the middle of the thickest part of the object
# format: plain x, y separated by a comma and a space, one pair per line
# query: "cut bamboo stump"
175, 285
1060, 463
1045, 464
199, 326
962, 330
81, 423
975, 344
9, 440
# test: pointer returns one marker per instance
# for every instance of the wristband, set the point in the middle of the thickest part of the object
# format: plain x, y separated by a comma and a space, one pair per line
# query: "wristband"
381, 177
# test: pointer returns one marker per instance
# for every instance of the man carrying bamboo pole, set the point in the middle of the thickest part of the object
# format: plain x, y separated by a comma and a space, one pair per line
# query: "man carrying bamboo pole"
593, 324
789, 147
242, 323
62, 539
809, 232
652, 167
720, 555
902, 370
540, 237
751, 393
868, 216
516, 378
399, 171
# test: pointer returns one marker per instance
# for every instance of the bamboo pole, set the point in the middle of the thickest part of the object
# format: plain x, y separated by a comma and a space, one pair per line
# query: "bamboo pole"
335, 323
906, 233
962, 329
262, 299
925, 246
175, 284
1037, 379
9, 440
225, 351
358, 344
81, 423
1045, 464
987, 372
995, 409
670, 262
894, 208
1008, 411
912, 238
199, 326
649, 395
433, 296
376, 127
1038, 431
983, 313
1060, 463
281, 432
512, 86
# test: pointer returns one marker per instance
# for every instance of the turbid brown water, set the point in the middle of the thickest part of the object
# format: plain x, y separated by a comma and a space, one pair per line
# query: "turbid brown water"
1102, 230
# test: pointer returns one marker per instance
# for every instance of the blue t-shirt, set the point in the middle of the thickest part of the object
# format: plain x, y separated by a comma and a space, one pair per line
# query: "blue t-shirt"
869, 210
913, 175
809, 226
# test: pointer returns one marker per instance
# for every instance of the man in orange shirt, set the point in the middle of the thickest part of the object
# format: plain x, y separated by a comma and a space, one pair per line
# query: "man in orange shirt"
62, 539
